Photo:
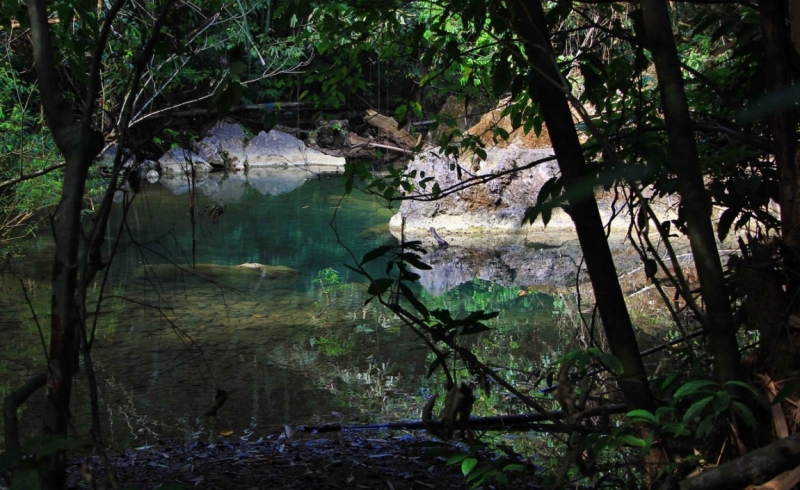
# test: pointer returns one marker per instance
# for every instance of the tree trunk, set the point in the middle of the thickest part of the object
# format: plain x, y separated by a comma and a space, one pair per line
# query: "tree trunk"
529, 22
695, 201
79, 145
773, 351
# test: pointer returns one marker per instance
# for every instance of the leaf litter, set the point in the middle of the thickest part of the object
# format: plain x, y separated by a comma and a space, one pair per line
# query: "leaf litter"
333, 462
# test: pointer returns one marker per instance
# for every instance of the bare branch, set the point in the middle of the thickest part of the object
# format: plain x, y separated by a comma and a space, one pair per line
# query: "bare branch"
11, 182
97, 60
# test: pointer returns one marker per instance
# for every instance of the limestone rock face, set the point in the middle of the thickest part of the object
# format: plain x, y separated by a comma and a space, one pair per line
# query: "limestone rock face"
223, 146
179, 161
277, 148
497, 205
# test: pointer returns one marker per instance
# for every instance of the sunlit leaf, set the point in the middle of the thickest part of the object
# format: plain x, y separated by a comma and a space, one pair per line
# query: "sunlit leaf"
643, 415
468, 465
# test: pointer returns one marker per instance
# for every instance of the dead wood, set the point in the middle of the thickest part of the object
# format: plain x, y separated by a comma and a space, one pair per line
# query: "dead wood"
756, 467
389, 127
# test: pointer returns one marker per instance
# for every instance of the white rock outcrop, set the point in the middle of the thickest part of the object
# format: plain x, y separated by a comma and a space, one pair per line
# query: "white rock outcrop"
277, 148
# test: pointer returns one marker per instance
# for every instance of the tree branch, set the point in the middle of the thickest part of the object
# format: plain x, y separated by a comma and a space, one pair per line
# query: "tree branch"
756, 467
39, 173
55, 108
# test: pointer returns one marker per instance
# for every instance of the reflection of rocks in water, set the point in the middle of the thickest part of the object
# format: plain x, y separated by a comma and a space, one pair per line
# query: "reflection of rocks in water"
178, 184
275, 181
232, 188
177, 279
509, 265
510, 260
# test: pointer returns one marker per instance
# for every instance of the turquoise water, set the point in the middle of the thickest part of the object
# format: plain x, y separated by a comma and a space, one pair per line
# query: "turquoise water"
181, 320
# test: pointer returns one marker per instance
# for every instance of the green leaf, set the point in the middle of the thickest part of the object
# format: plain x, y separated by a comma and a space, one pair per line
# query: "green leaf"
643, 415
611, 362
633, 441
414, 261
693, 387
468, 465
376, 253
379, 286
746, 386
457, 458
513, 467
745, 413
696, 409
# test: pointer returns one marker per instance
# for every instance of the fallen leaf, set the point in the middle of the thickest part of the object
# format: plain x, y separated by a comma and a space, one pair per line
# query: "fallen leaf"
226, 433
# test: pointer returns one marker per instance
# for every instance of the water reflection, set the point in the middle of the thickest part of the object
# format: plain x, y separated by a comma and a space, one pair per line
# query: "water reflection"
231, 187
286, 349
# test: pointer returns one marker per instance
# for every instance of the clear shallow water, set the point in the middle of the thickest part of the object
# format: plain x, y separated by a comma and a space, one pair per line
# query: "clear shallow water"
287, 352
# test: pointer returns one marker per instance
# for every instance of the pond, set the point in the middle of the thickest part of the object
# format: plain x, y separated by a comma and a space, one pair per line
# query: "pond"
292, 343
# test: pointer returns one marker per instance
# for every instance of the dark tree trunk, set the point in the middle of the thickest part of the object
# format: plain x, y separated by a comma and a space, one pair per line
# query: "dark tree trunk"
695, 201
529, 22
79, 144
773, 352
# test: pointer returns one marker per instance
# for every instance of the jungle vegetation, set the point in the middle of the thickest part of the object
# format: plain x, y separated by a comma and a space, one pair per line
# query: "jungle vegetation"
690, 99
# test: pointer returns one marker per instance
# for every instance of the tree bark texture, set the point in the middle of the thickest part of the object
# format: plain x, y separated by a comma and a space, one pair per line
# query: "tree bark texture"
695, 201
529, 22
756, 467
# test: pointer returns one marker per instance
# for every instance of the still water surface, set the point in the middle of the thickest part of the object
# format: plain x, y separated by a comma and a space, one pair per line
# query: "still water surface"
288, 350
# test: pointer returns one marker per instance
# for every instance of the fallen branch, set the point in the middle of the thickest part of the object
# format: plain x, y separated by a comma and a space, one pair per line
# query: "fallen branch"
528, 421
387, 147
756, 467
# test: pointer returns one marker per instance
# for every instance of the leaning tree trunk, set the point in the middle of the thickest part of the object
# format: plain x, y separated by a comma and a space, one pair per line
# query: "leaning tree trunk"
695, 201
529, 22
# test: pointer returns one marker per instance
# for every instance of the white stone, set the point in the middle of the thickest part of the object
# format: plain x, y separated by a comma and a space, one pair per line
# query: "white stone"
278, 148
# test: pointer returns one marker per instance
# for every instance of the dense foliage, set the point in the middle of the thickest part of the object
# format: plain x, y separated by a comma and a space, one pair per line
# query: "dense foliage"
695, 103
